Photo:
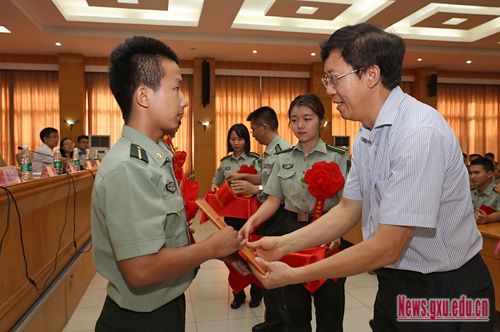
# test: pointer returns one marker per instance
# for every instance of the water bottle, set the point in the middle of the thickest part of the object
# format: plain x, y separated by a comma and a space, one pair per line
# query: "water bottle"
57, 162
26, 166
76, 159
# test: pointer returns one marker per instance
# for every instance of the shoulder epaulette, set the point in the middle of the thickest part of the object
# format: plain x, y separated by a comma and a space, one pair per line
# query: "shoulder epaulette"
137, 152
284, 151
254, 155
334, 148
226, 157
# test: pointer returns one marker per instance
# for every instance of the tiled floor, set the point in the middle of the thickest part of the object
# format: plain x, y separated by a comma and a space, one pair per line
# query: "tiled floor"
208, 298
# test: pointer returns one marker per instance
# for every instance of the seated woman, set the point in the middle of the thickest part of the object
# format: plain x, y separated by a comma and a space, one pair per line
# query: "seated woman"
66, 147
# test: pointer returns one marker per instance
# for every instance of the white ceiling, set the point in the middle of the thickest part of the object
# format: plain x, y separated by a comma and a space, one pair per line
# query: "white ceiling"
230, 29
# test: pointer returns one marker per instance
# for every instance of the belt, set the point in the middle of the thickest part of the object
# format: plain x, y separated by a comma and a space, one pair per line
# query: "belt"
302, 216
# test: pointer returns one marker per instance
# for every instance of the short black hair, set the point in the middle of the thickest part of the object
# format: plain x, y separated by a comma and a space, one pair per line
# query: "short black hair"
137, 61
475, 155
490, 155
45, 132
79, 138
485, 162
364, 45
241, 130
310, 100
264, 115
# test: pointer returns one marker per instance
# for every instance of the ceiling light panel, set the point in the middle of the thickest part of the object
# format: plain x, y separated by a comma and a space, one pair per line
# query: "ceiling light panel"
4, 29
406, 29
306, 10
455, 21
179, 13
253, 15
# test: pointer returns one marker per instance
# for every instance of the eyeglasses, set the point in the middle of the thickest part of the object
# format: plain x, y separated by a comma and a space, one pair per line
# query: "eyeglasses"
254, 129
332, 80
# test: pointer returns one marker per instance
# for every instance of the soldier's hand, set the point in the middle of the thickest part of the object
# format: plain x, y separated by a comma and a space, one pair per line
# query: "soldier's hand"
214, 187
481, 217
235, 176
226, 241
247, 229
244, 187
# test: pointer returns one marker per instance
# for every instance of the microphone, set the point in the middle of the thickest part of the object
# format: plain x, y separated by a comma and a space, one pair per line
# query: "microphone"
43, 154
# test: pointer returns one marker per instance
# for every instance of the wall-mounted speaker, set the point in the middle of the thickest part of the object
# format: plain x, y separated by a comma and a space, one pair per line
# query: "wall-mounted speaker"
432, 85
205, 83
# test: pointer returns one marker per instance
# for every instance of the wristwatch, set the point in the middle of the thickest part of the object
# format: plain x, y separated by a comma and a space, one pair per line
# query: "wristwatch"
261, 189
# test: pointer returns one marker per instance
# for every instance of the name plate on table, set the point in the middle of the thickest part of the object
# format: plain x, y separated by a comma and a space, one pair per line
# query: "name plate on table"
48, 171
9, 175
220, 223
70, 168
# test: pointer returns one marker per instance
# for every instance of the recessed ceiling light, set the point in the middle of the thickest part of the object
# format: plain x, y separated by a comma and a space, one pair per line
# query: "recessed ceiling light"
455, 21
133, 2
313, 54
4, 29
420, 59
306, 10
58, 44
254, 51
468, 62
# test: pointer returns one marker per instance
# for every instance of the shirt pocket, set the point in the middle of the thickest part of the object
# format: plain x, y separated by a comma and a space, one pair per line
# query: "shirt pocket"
289, 183
380, 190
175, 220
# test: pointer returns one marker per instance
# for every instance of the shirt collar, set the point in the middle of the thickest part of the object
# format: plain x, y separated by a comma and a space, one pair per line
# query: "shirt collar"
158, 151
489, 190
320, 147
387, 113
270, 148
242, 156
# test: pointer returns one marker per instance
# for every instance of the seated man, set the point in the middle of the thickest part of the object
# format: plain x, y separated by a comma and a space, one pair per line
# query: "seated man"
82, 143
485, 199
44, 154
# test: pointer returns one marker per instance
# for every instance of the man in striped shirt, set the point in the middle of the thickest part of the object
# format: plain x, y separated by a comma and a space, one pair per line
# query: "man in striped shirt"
408, 183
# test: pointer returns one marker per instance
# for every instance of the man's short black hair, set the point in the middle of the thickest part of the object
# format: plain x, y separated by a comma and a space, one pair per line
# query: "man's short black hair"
490, 155
137, 61
264, 115
79, 138
364, 45
45, 132
485, 162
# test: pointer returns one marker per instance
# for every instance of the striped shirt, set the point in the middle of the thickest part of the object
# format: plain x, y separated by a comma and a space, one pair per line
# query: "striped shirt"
408, 171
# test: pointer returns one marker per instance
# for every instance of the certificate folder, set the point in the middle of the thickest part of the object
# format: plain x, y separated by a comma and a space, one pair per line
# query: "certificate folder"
220, 223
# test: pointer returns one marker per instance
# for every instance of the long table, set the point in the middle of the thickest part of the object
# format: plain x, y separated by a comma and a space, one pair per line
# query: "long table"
53, 227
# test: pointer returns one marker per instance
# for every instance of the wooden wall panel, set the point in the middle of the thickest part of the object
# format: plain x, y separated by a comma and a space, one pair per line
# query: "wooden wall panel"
47, 227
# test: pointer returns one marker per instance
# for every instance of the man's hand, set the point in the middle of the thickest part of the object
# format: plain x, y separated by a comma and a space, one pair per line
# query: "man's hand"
237, 263
213, 187
225, 242
244, 187
268, 248
278, 274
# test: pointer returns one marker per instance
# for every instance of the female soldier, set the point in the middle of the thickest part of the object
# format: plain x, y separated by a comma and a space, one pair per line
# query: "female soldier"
238, 142
306, 115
